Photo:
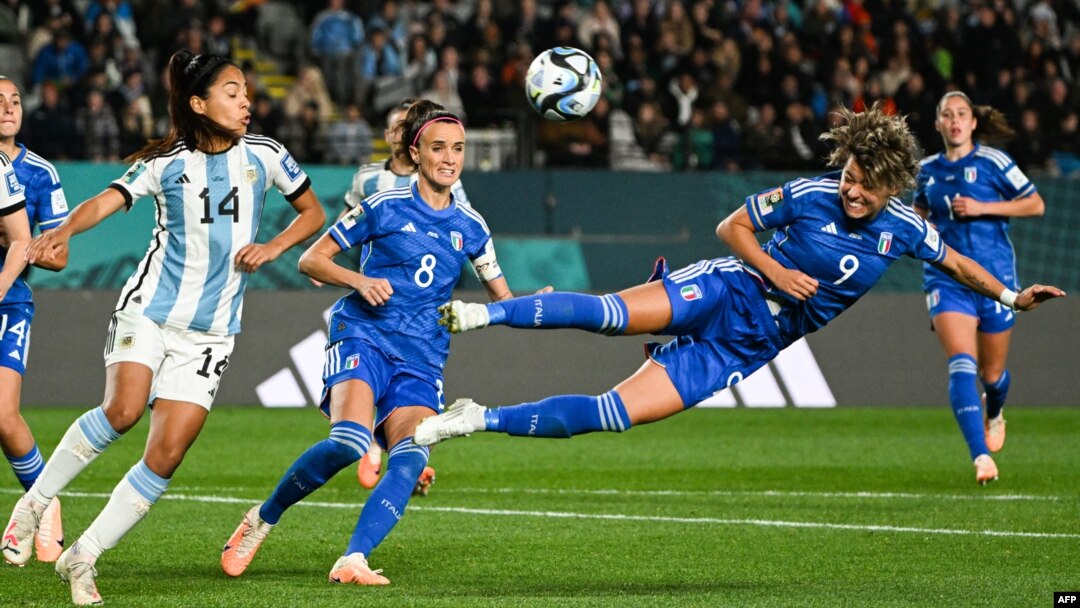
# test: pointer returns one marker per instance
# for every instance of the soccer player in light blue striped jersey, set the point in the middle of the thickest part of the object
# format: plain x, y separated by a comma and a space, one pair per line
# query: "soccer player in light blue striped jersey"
46, 208
969, 191
173, 329
835, 236
384, 361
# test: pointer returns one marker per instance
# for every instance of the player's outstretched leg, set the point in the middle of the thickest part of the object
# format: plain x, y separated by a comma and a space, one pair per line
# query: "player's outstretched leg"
76, 567
382, 510
347, 443
562, 416
994, 411
600, 314
84, 441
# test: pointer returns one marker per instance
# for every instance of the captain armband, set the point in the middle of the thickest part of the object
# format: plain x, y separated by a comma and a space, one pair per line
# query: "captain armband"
486, 266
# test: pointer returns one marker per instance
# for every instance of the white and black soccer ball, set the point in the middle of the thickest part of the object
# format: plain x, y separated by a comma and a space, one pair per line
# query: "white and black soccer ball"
563, 83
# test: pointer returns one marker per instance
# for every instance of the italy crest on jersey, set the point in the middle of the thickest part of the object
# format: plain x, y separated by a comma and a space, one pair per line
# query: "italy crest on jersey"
884, 243
352, 362
456, 240
970, 175
690, 293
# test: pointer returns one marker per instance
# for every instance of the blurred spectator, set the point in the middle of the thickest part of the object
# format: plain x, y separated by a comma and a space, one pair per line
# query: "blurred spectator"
422, 63
800, 149
764, 139
336, 36
599, 20
651, 133
130, 91
676, 24
397, 24
1066, 145
266, 117
120, 13
1029, 148
727, 139
280, 32
136, 126
576, 143
304, 135
916, 102
309, 89
481, 97
348, 141
694, 150
684, 92
527, 27
217, 37
50, 128
443, 94
63, 61
98, 129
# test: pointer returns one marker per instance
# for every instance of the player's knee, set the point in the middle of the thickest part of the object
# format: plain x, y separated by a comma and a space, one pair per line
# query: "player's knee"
123, 414
990, 374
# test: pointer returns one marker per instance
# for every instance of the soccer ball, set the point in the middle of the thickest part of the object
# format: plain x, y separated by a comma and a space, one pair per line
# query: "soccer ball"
563, 83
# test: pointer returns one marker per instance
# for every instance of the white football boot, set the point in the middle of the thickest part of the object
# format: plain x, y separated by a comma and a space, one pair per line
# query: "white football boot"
18, 541
76, 568
460, 317
464, 417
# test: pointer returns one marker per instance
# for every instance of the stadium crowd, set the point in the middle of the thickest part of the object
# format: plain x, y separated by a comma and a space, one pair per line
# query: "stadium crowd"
688, 84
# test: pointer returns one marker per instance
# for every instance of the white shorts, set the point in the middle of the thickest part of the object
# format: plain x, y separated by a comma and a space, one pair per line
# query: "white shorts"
187, 365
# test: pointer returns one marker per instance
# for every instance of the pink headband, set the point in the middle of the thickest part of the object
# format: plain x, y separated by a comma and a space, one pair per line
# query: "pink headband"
416, 137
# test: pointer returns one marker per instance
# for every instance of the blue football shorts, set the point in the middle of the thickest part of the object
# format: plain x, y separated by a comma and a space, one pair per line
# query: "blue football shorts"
393, 383
994, 317
15, 322
723, 327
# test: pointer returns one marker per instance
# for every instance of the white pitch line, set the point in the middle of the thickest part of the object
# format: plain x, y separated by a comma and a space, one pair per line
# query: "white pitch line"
764, 523
761, 493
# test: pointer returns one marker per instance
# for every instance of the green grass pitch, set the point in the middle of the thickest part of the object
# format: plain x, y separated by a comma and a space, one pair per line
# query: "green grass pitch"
845, 507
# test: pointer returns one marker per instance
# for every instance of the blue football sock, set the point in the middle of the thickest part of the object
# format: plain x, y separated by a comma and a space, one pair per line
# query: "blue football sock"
27, 467
387, 502
996, 393
964, 398
562, 416
600, 314
347, 443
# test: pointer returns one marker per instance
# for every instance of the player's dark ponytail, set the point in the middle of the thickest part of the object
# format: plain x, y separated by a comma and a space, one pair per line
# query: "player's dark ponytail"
189, 75
419, 115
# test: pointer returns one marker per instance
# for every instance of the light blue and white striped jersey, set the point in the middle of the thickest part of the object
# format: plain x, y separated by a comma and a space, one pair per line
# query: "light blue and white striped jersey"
12, 198
46, 206
377, 177
846, 256
208, 208
986, 174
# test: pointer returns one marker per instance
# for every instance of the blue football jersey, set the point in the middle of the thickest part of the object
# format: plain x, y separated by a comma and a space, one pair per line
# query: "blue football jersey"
420, 251
846, 256
46, 206
986, 174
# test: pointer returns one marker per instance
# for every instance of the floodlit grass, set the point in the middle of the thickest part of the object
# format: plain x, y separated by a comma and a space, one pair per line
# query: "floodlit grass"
846, 507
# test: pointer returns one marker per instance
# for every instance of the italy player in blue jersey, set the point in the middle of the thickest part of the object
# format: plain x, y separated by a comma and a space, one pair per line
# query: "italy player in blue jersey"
45, 208
384, 360
970, 191
835, 235
173, 328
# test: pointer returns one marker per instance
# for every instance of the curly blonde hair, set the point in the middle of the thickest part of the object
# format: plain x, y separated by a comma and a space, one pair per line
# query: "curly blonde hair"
882, 145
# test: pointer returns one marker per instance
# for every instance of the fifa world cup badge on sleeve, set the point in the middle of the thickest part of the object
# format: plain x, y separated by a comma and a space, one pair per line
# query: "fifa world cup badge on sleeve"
133, 173
767, 200
13, 185
59, 202
291, 168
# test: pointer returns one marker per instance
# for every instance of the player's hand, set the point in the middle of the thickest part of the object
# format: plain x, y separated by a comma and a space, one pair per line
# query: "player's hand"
375, 291
796, 284
545, 289
47, 246
1031, 297
253, 255
965, 206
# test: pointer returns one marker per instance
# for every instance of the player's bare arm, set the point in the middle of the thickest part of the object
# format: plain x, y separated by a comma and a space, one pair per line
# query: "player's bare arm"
309, 220
318, 263
968, 272
737, 232
52, 246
